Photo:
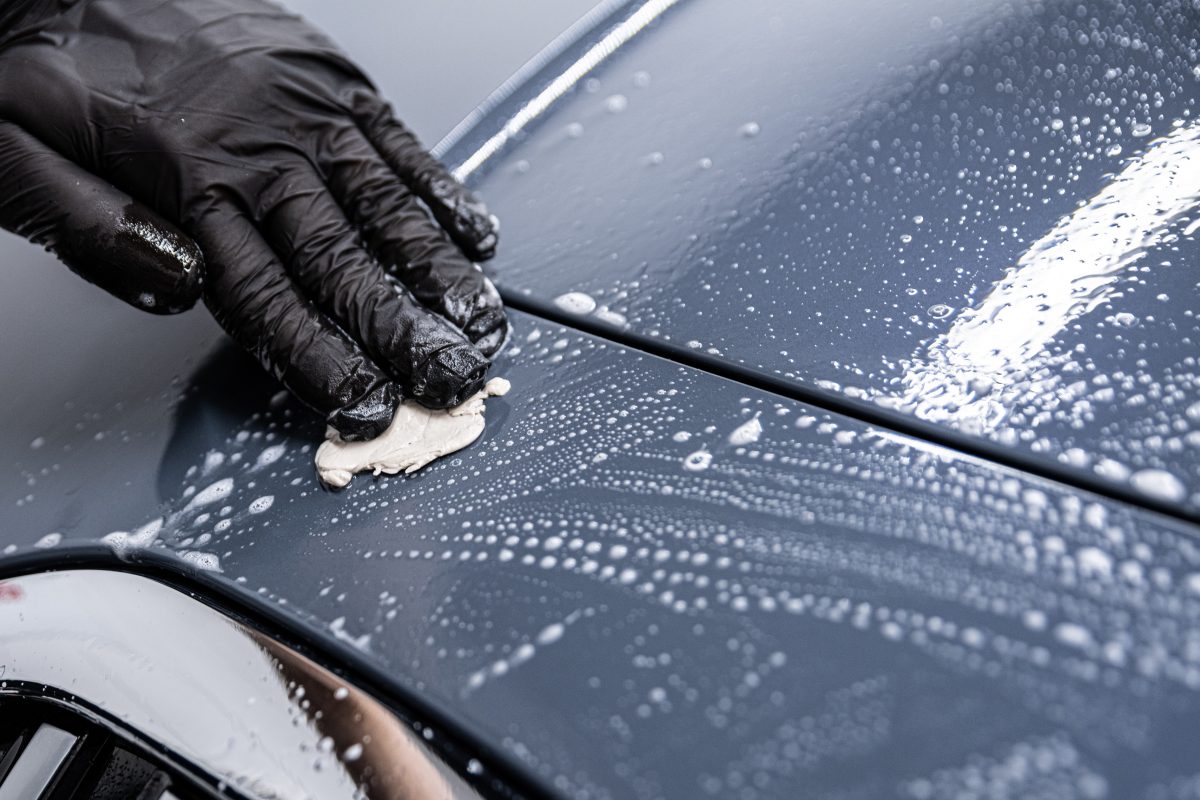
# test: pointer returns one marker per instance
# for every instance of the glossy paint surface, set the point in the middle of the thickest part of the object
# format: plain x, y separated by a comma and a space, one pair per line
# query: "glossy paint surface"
643, 581
979, 214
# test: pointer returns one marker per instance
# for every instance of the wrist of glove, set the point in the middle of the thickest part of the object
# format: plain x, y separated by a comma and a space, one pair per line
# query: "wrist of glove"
169, 150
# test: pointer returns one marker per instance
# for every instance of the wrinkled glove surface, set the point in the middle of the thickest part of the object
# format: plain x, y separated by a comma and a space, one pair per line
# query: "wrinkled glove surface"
132, 131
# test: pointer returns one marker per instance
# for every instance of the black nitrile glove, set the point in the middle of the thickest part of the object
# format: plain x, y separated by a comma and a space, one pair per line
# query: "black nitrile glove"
128, 126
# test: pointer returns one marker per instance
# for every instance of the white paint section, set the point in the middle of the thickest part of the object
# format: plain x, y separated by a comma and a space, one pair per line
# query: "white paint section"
417, 436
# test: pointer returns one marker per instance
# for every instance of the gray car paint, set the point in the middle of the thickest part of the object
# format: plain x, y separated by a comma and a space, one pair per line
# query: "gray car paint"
828, 606
882, 201
825, 608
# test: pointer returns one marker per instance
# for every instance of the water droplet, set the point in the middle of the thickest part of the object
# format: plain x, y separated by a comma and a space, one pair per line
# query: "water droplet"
1158, 483
746, 433
576, 303
614, 318
551, 633
698, 461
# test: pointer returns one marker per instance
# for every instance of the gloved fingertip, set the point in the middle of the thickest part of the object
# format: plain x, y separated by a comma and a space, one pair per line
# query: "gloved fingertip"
450, 376
140, 258
368, 416
474, 229
171, 286
488, 331
480, 249
189, 284
493, 342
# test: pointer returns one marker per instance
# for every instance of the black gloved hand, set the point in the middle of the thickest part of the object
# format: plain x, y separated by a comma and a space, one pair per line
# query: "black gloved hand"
127, 126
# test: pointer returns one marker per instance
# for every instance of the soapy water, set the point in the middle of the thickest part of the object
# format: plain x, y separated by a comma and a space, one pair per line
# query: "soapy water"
624, 496
964, 375
897, 239
576, 303
1042, 626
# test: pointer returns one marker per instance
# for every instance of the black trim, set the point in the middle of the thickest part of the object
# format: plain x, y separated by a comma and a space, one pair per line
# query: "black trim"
454, 742
861, 410
100, 736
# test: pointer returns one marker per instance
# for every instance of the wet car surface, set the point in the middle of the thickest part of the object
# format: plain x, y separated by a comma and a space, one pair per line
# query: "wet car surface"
647, 581
644, 580
979, 215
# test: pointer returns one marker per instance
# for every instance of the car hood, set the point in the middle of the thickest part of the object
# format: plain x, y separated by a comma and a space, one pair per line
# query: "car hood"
644, 580
976, 216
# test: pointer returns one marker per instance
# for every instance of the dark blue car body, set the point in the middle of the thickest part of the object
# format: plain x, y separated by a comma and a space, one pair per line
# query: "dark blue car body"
786, 500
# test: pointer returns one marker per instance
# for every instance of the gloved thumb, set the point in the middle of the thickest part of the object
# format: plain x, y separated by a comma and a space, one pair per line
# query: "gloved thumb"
100, 232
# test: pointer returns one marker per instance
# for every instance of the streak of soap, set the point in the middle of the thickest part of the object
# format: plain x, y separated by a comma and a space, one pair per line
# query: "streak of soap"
212, 493
205, 561
121, 541
551, 634
614, 318
270, 455
262, 504
49, 540
417, 436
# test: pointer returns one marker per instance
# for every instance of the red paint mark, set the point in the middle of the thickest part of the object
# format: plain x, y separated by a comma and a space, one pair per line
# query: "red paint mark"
10, 592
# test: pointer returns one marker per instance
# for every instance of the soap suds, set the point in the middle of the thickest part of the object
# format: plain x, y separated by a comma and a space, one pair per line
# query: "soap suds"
746, 433
417, 436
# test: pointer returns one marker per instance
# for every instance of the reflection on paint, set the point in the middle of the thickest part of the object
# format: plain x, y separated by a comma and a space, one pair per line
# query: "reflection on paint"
967, 374
562, 84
